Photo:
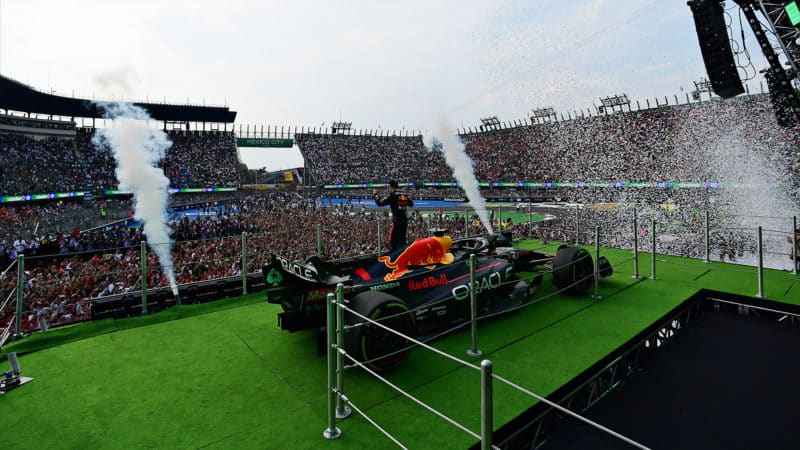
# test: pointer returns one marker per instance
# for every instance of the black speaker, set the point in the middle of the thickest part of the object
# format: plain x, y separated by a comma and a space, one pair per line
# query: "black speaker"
709, 21
781, 98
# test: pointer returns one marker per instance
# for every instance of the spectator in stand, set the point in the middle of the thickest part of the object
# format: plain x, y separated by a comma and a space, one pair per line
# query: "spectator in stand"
654, 145
65, 165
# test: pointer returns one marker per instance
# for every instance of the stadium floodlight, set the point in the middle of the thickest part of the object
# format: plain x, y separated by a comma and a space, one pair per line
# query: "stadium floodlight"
341, 126
490, 123
700, 87
614, 101
543, 114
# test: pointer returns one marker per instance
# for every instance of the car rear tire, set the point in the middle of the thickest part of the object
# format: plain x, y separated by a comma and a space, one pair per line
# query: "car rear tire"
379, 349
573, 270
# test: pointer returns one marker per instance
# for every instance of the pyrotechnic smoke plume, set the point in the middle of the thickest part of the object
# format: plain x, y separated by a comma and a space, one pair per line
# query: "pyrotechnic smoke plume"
120, 80
137, 149
456, 157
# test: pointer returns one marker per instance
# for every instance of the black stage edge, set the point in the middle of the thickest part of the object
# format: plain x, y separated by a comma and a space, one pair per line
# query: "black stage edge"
717, 371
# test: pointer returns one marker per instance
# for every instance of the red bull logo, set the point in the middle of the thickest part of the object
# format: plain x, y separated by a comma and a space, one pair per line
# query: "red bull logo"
422, 252
429, 282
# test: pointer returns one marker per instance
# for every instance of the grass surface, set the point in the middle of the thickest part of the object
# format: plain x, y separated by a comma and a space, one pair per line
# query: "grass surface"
222, 374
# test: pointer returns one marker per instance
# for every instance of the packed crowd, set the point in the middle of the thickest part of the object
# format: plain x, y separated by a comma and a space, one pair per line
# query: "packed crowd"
202, 160
67, 272
46, 165
64, 272
336, 158
695, 142
686, 143
33, 228
41, 165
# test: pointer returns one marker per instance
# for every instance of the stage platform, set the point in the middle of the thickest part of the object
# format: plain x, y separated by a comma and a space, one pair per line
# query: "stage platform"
222, 375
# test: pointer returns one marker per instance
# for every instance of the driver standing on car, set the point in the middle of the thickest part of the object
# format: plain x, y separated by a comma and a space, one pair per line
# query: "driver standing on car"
398, 203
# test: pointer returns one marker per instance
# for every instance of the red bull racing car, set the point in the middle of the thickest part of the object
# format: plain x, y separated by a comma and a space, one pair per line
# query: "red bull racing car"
421, 290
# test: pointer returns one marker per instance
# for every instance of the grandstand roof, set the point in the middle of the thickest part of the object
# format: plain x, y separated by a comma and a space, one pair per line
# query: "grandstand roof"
21, 97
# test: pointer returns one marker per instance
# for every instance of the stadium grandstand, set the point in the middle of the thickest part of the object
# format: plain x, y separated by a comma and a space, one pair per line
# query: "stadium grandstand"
626, 275
587, 159
656, 144
63, 211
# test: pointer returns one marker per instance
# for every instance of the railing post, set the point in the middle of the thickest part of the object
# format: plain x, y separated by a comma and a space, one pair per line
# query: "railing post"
244, 263
319, 240
332, 431
794, 244
707, 236
473, 308
144, 276
487, 407
577, 224
466, 223
20, 295
636, 243
653, 257
530, 220
596, 295
430, 233
342, 410
760, 266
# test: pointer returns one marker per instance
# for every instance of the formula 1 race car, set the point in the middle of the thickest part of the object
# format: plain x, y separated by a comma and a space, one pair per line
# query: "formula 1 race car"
421, 290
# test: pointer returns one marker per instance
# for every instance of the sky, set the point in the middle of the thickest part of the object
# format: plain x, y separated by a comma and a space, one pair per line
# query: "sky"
381, 65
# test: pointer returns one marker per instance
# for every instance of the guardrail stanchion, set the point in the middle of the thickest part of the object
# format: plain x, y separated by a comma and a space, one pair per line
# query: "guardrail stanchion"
760, 293
430, 233
636, 243
794, 245
144, 276
487, 407
707, 224
466, 223
342, 410
20, 296
473, 307
530, 220
577, 224
596, 295
332, 431
653, 250
244, 263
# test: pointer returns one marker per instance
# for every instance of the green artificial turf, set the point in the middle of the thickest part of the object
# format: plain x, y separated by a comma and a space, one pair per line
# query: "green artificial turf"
222, 374
71, 333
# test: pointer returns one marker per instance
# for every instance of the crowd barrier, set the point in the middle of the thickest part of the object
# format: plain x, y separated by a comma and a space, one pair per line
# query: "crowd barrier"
208, 268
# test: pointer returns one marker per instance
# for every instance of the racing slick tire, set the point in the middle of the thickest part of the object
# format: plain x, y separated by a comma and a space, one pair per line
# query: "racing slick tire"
573, 270
378, 349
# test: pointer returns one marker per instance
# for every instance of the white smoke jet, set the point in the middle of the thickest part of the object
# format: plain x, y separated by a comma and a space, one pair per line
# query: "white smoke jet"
121, 78
455, 155
137, 149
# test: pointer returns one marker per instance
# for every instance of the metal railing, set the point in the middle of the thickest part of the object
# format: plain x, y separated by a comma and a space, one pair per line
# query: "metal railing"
337, 305
245, 253
338, 233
